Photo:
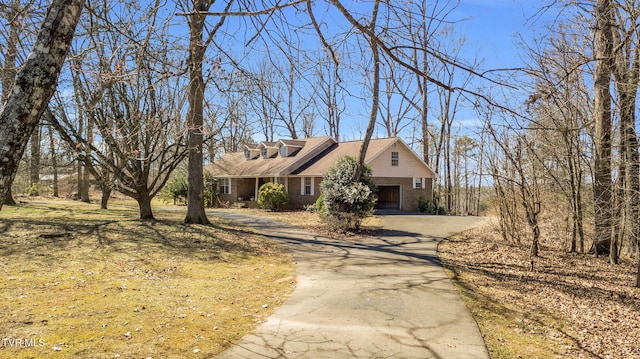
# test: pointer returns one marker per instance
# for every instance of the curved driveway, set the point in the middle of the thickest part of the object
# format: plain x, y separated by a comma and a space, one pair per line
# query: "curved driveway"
378, 297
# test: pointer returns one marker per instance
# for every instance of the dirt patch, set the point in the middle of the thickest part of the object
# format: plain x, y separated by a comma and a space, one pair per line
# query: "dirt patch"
569, 306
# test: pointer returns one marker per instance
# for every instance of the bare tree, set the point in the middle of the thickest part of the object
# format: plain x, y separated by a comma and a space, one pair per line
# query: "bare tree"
560, 105
518, 149
195, 117
329, 95
53, 159
13, 13
604, 11
35, 84
130, 101
627, 80
34, 157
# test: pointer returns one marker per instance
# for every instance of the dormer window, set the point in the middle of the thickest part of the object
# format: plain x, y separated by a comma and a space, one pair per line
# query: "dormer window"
287, 148
251, 152
268, 149
283, 151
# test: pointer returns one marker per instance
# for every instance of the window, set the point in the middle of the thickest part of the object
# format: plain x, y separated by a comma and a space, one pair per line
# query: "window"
307, 186
283, 151
224, 185
247, 154
264, 152
394, 158
418, 182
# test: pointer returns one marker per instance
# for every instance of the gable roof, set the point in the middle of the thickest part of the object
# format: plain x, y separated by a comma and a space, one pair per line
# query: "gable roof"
234, 164
315, 158
294, 143
352, 148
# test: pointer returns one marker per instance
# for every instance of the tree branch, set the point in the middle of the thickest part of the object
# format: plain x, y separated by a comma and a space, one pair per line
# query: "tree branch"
242, 13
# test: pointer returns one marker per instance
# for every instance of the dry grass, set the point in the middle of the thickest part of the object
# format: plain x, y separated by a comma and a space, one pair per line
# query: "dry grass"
313, 222
81, 282
569, 306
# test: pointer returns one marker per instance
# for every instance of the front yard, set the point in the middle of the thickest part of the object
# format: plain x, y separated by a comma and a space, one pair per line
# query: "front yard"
77, 281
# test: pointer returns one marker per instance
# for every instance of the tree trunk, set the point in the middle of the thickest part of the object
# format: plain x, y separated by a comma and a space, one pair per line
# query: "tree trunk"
448, 186
34, 86
8, 73
79, 176
54, 161
34, 163
424, 117
195, 117
602, 113
106, 194
638, 274
144, 204
534, 250
86, 179
580, 213
627, 78
8, 199
375, 103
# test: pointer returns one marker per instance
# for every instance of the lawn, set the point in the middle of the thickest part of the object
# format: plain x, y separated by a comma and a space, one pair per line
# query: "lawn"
77, 281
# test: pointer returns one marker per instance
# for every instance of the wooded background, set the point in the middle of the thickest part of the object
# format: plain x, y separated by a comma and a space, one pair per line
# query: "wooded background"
153, 89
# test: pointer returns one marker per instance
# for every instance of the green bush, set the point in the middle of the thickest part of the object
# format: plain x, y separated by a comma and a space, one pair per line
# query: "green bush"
210, 192
176, 189
34, 189
347, 202
425, 205
273, 196
320, 205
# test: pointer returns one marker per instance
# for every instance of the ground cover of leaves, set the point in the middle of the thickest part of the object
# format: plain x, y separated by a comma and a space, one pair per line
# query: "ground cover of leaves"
569, 306
77, 281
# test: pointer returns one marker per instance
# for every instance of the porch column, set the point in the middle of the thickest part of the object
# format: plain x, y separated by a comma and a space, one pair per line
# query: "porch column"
256, 188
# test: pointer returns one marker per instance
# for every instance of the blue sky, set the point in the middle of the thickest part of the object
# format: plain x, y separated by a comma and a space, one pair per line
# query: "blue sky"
490, 27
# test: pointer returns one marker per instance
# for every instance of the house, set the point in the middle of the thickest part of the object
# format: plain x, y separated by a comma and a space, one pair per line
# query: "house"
299, 165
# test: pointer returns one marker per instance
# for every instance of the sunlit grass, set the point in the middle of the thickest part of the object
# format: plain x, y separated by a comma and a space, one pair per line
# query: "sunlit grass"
313, 221
78, 281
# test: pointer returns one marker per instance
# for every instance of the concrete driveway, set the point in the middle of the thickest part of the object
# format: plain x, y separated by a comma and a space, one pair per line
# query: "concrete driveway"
379, 297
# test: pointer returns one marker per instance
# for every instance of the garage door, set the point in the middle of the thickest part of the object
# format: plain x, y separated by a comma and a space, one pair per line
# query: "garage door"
388, 197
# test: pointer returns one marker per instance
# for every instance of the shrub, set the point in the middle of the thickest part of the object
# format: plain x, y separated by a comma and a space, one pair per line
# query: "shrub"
210, 191
176, 189
320, 205
34, 189
347, 202
425, 205
272, 195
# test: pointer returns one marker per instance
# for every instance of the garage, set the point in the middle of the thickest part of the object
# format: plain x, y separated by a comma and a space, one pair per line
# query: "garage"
388, 197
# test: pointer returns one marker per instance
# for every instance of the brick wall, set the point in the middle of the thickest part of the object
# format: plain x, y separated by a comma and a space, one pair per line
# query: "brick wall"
298, 201
408, 195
